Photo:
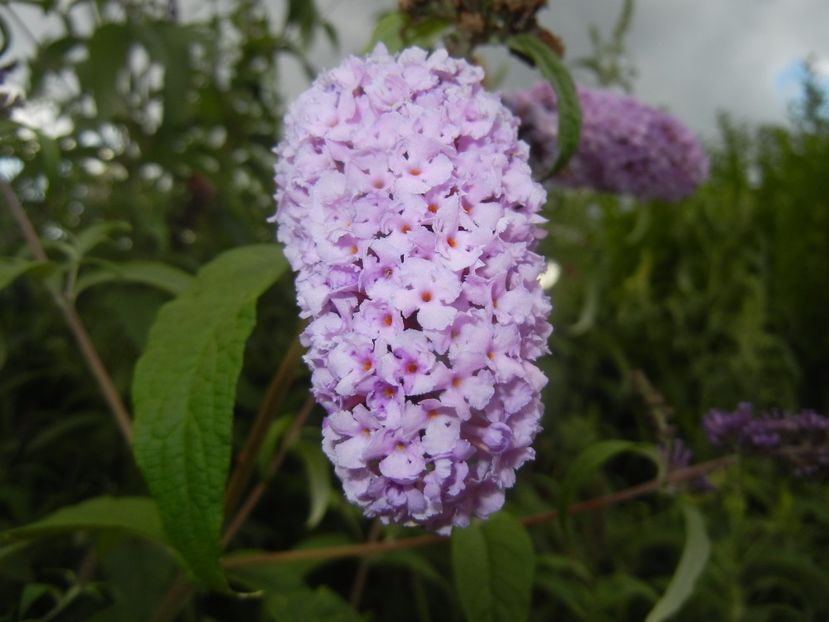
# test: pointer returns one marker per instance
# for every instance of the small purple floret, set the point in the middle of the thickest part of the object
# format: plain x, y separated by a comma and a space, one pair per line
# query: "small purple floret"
407, 208
626, 147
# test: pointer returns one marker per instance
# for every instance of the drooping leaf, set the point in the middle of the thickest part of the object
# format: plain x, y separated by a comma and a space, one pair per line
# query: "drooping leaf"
137, 575
320, 605
98, 74
184, 391
13, 267
51, 56
493, 564
555, 72
317, 471
588, 462
303, 13
170, 46
153, 273
268, 448
37, 592
49, 155
694, 557
97, 234
424, 32
136, 515
387, 31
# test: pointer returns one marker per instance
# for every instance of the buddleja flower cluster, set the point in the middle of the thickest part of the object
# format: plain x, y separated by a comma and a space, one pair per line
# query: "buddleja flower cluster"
802, 439
626, 147
407, 207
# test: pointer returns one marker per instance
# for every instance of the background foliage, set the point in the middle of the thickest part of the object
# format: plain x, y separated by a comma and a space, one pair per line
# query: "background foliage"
661, 312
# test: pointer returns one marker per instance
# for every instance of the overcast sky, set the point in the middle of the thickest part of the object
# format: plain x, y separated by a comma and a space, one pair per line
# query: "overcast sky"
694, 57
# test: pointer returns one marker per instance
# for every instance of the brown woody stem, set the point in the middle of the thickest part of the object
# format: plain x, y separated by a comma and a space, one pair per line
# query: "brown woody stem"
275, 395
71, 317
369, 548
256, 494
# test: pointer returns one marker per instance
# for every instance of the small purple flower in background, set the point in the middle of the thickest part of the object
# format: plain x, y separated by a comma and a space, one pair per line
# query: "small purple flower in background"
407, 207
626, 147
802, 439
677, 455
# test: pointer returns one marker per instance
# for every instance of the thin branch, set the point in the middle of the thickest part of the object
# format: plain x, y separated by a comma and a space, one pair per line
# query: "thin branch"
369, 548
19, 214
173, 600
259, 490
98, 369
71, 317
275, 395
360, 578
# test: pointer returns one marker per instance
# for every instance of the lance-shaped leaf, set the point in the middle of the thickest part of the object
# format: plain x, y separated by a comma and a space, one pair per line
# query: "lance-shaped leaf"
135, 515
694, 557
569, 110
184, 391
388, 31
592, 459
153, 273
493, 564
319, 481
13, 267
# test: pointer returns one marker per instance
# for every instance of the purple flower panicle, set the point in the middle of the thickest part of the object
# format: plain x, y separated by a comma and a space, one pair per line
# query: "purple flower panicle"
407, 207
626, 147
802, 438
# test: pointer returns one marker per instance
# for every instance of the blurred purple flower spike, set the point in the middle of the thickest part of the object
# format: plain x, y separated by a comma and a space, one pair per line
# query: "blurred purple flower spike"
801, 439
626, 147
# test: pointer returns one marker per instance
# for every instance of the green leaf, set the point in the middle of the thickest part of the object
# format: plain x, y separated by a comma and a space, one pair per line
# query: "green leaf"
424, 32
169, 45
694, 557
388, 31
98, 74
588, 462
319, 481
34, 592
303, 13
137, 515
13, 267
183, 392
493, 565
97, 234
50, 57
555, 72
276, 430
152, 273
413, 561
137, 576
49, 155
307, 605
